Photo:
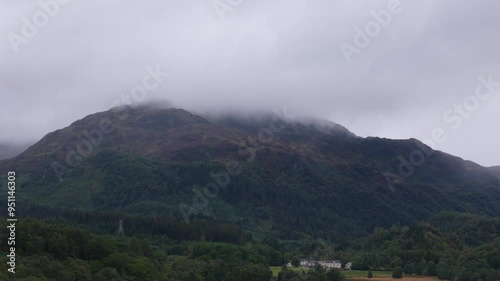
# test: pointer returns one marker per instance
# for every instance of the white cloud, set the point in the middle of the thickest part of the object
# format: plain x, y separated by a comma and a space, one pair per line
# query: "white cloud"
264, 54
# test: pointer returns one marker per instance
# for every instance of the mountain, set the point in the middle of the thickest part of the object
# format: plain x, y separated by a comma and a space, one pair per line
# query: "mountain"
272, 174
9, 150
495, 170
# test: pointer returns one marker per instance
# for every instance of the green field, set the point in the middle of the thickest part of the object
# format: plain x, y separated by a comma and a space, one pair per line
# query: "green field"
276, 269
347, 273
364, 273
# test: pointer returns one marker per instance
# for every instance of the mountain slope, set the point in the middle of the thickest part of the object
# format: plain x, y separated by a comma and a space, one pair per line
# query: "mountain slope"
495, 171
9, 150
291, 178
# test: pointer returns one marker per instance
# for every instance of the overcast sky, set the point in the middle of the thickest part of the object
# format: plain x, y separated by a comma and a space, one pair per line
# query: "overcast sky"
260, 54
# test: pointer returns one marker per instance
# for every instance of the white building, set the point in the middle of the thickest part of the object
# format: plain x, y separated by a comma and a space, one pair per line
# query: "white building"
308, 263
329, 264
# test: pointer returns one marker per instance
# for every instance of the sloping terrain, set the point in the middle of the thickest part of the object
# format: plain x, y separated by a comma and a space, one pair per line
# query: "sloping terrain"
287, 177
9, 150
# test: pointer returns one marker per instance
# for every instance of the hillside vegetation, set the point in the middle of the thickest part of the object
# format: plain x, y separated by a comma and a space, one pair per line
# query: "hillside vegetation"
164, 194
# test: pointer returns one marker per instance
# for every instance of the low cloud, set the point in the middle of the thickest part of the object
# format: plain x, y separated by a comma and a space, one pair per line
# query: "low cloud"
260, 55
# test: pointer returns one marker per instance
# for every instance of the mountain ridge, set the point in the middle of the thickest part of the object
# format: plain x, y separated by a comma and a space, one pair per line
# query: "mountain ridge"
296, 176
9, 150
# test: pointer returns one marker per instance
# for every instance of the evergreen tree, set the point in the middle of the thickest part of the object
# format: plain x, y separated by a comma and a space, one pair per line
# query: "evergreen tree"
334, 275
409, 269
397, 273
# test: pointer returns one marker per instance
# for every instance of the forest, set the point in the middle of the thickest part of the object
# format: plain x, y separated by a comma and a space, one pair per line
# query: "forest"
451, 246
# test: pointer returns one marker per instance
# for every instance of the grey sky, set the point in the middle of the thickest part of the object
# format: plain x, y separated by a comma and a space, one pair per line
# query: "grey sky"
263, 54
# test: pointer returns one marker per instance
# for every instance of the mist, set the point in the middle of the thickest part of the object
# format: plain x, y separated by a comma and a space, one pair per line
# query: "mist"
430, 65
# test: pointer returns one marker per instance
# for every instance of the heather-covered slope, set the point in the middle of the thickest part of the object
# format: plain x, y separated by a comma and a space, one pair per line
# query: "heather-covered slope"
292, 178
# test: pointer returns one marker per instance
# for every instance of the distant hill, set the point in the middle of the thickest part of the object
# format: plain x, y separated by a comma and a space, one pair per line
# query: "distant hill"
495, 170
291, 178
8, 150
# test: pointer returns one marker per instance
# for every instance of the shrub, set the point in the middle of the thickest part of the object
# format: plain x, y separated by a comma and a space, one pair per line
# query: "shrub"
397, 273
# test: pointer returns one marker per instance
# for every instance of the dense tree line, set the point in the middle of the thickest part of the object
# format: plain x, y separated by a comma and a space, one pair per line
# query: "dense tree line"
316, 274
108, 222
450, 246
49, 252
